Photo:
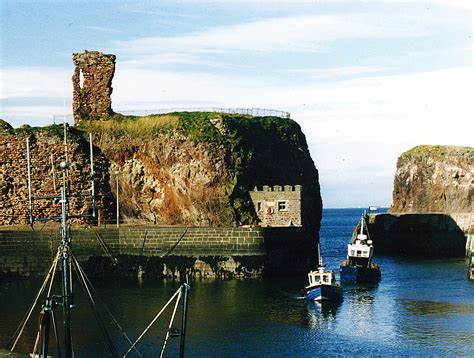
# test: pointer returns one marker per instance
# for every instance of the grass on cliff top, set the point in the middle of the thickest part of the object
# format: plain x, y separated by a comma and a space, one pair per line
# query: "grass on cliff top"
54, 131
434, 150
197, 126
143, 126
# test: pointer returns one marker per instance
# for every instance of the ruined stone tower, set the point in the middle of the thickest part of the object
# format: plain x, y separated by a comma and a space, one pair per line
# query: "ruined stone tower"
92, 85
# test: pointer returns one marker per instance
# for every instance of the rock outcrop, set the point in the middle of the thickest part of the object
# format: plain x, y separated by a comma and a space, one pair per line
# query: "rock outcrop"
431, 212
193, 169
434, 179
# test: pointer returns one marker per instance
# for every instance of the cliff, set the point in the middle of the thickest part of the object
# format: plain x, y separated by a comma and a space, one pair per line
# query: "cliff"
434, 179
431, 210
180, 168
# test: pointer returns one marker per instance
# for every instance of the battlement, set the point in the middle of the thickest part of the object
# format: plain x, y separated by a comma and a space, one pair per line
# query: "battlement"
279, 188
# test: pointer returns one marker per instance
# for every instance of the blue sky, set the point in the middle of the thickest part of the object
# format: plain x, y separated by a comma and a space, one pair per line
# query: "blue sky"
366, 80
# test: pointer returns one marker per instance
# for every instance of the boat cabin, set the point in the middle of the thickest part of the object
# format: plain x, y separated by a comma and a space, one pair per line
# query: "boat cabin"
321, 277
360, 252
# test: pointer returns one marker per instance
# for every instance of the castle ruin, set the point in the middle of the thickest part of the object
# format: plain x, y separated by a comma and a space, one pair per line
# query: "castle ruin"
92, 85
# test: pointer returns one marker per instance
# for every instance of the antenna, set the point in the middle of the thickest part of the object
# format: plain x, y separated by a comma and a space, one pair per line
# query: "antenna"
320, 259
94, 209
64, 121
30, 200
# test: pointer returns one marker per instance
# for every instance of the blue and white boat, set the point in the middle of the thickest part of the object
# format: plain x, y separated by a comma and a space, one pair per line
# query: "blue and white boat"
322, 285
358, 267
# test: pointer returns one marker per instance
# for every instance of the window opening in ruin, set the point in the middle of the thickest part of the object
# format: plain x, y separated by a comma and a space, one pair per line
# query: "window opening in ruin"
282, 206
259, 206
81, 79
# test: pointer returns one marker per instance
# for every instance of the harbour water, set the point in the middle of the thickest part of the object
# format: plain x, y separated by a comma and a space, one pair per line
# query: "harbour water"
420, 307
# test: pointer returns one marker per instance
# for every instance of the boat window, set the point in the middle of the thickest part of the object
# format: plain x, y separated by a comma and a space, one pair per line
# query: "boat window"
352, 252
326, 278
359, 252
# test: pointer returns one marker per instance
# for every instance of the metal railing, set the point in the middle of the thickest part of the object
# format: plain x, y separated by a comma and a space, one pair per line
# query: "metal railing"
257, 112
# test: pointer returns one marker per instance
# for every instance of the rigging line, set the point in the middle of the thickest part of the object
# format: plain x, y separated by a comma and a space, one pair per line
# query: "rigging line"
153, 321
176, 243
36, 345
117, 325
52, 278
93, 306
106, 249
171, 323
22, 325
367, 229
56, 333
143, 249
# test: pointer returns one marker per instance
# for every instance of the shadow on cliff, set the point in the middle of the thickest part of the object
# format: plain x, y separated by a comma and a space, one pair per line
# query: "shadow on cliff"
427, 235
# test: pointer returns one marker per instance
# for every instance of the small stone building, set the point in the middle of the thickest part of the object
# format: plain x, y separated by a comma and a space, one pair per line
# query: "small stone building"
278, 205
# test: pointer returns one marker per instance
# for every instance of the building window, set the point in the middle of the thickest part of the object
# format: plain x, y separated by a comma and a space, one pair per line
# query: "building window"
259, 206
282, 206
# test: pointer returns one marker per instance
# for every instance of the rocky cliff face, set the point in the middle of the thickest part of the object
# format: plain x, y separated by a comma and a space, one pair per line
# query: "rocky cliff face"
434, 179
186, 168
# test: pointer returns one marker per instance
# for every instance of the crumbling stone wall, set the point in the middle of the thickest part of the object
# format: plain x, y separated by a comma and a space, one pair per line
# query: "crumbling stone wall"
47, 151
92, 85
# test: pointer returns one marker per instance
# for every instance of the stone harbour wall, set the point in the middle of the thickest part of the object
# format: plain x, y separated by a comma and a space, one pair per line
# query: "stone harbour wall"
159, 251
425, 234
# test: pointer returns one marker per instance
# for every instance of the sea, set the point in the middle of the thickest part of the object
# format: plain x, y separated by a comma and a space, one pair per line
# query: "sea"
421, 307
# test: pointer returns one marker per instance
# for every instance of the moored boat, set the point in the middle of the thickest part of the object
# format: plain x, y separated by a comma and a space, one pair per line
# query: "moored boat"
358, 267
322, 285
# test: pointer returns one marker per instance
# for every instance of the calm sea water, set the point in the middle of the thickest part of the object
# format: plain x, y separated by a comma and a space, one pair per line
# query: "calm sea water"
421, 307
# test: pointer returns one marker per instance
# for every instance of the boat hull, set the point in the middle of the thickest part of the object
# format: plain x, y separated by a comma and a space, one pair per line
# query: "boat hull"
323, 292
360, 274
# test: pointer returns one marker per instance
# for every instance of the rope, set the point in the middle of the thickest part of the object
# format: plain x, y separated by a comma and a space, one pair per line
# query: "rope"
93, 307
153, 321
171, 323
106, 249
21, 327
117, 325
176, 243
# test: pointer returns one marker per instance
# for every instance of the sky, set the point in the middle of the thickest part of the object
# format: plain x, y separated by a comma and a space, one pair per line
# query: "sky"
365, 80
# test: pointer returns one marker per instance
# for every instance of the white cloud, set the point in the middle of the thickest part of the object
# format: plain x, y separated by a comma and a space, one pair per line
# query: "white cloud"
35, 81
298, 33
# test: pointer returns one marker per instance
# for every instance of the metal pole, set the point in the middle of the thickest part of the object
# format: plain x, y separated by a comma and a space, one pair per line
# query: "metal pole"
94, 210
117, 194
66, 269
184, 318
53, 174
28, 159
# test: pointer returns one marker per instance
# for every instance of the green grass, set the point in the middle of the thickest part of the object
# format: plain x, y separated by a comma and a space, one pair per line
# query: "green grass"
140, 126
421, 151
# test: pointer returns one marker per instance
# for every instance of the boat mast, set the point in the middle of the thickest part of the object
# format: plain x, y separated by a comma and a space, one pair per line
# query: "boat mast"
320, 259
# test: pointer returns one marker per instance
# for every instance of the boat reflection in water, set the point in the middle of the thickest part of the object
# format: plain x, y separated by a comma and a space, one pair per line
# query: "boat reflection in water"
321, 316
